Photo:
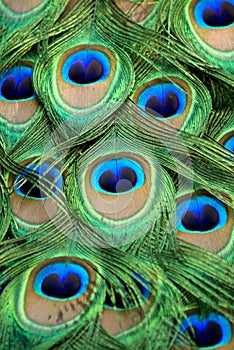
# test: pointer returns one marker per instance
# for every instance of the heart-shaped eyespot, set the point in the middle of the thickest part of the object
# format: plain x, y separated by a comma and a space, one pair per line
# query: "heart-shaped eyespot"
117, 175
13, 91
123, 182
209, 336
165, 108
205, 221
80, 74
221, 18
52, 286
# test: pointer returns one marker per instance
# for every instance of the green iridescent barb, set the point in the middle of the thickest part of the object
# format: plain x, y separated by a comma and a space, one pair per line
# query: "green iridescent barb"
116, 174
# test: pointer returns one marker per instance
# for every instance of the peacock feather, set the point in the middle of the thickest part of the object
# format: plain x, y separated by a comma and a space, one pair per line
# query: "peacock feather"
116, 174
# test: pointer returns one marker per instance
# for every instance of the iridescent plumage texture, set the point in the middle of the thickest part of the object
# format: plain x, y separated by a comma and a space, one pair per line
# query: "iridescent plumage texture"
116, 174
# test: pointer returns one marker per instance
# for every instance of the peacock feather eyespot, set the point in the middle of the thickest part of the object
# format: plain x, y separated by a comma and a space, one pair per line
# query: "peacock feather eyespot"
203, 214
86, 79
111, 191
86, 67
163, 100
60, 288
50, 178
16, 84
120, 202
116, 149
117, 175
61, 280
214, 13
18, 103
202, 219
212, 22
212, 332
34, 200
85, 74
174, 100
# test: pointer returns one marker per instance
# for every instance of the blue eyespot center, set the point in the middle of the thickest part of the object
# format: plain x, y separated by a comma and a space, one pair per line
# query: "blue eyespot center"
223, 17
49, 178
16, 84
214, 13
61, 280
117, 176
206, 220
166, 108
80, 74
209, 332
201, 214
229, 144
31, 190
122, 182
86, 67
53, 286
209, 336
163, 100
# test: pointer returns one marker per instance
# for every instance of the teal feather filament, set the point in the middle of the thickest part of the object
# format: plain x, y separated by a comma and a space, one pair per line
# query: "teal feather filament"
23, 23
5, 208
141, 12
120, 303
123, 313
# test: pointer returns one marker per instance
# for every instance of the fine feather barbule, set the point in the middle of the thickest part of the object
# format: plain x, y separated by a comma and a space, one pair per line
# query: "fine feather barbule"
116, 175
